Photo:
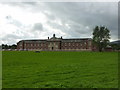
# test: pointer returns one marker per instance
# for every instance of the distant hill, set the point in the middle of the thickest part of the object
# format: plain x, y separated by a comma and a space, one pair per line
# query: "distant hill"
115, 42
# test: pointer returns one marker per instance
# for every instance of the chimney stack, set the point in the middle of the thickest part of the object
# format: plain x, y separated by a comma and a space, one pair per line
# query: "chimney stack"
53, 35
48, 37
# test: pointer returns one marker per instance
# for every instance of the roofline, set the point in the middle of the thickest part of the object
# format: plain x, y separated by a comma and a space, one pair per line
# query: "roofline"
76, 38
56, 40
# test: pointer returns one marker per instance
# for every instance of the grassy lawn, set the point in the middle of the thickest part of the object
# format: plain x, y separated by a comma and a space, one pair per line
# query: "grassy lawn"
27, 69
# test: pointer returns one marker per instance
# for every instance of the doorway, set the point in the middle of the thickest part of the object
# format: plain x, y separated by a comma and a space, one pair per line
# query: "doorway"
52, 48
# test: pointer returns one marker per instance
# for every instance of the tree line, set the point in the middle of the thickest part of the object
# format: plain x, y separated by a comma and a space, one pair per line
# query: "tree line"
5, 46
115, 46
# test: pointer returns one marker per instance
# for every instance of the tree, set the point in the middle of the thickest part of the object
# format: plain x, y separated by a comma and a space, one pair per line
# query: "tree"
115, 46
5, 46
101, 36
14, 46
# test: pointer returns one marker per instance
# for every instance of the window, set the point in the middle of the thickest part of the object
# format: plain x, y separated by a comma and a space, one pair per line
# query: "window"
65, 44
69, 44
89, 43
81, 45
20, 44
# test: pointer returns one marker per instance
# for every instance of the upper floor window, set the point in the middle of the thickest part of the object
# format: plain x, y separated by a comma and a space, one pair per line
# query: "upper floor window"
69, 44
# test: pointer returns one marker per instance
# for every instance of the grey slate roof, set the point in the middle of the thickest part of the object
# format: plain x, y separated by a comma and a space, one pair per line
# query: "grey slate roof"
56, 39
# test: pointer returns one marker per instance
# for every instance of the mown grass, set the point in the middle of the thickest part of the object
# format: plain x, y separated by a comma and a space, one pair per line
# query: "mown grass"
27, 69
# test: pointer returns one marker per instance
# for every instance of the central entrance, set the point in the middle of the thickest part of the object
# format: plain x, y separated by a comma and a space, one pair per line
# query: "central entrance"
52, 48
53, 45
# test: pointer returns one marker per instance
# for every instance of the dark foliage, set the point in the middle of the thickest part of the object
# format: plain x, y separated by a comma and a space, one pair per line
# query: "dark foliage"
101, 36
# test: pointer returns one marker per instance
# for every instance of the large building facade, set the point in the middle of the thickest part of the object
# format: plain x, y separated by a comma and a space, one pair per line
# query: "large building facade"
56, 44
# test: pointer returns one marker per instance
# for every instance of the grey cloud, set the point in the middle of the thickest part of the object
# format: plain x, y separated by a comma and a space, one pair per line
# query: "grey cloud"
20, 4
87, 14
10, 39
11, 36
78, 16
119, 20
49, 16
13, 21
38, 27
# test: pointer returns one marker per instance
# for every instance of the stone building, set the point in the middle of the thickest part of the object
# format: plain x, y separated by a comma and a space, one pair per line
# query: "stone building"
55, 44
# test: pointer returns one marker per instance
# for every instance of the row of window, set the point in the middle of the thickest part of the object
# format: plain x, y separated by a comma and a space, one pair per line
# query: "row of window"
36, 48
70, 46
63, 44
54, 48
33, 44
73, 44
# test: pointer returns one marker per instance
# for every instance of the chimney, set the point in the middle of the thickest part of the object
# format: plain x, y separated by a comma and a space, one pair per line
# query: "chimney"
61, 37
48, 37
53, 35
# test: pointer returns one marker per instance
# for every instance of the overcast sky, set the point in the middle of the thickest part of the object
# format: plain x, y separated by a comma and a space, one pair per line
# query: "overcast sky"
39, 20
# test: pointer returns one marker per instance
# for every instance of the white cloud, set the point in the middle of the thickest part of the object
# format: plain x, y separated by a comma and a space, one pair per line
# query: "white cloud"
35, 20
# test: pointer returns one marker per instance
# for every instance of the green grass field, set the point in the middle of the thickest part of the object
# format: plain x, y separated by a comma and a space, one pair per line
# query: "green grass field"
27, 69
